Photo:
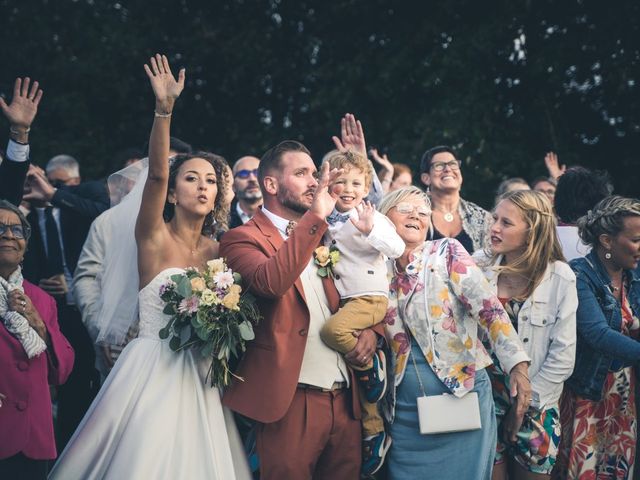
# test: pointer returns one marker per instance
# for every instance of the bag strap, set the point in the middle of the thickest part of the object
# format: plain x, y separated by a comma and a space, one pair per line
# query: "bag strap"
416, 369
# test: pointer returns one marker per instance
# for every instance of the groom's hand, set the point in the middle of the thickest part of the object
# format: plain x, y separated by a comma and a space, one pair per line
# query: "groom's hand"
364, 349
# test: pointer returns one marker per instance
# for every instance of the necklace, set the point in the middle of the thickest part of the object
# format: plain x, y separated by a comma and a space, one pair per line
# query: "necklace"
447, 216
193, 250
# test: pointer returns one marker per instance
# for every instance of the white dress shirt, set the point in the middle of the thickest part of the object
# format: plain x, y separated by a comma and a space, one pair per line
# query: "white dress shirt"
321, 366
243, 216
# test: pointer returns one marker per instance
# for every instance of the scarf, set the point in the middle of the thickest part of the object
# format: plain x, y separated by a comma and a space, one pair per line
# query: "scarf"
15, 323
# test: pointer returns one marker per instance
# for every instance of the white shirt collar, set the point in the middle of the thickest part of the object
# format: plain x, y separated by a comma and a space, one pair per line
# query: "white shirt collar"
241, 213
279, 222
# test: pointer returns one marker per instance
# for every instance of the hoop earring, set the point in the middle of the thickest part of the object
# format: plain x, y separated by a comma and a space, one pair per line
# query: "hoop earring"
607, 256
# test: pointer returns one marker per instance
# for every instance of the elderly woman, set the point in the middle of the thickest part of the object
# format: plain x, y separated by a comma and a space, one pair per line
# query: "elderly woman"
440, 305
33, 355
599, 414
451, 215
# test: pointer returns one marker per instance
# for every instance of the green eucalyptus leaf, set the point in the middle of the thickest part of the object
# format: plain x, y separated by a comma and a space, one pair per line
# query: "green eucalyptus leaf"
174, 343
184, 287
246, 331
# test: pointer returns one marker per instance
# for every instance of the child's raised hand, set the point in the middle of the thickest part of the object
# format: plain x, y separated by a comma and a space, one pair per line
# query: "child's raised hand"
364, 223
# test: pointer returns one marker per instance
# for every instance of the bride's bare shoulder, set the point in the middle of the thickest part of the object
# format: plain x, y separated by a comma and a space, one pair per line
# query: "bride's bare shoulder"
212, 248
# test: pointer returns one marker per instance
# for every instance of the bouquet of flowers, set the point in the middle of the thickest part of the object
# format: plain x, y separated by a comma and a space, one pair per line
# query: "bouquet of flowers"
209, 311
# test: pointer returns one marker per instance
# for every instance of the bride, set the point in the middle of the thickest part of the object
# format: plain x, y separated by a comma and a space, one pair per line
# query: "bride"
155, 416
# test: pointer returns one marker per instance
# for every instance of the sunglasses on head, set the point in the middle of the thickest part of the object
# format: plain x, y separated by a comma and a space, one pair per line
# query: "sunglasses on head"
17, 230
244, 174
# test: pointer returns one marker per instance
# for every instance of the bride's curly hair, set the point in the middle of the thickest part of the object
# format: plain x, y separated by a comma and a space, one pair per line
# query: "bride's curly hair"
217, 219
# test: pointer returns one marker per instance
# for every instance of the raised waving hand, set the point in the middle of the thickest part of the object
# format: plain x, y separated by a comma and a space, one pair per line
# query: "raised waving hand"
23, 107
165, 87
553, 165
351, 136
166, 90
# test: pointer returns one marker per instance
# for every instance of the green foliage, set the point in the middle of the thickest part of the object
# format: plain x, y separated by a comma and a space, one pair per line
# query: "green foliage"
417, 74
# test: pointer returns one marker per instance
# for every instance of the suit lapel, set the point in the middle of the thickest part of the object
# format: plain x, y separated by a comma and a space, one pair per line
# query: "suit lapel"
273, 237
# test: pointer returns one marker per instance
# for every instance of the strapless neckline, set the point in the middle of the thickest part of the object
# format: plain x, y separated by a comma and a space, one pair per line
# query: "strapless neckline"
159, 274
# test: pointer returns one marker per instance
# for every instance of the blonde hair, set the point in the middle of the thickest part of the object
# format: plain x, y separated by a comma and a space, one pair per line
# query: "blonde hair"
542, 244
606, 218
392, 199
348, 160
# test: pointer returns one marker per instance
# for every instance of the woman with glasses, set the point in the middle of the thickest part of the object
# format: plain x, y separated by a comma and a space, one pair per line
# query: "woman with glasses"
33, 355
440, 305
452, 216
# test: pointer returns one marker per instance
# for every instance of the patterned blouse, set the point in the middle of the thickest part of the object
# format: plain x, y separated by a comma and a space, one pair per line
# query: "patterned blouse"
441, 299
476, 222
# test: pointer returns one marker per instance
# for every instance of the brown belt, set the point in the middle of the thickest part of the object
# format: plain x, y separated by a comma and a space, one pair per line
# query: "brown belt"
334, 387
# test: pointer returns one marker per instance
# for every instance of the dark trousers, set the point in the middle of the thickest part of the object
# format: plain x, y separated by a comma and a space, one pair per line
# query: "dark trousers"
20, 467
76, 395
316, 439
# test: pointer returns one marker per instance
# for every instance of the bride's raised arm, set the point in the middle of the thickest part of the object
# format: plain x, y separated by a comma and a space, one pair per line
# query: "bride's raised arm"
166, 90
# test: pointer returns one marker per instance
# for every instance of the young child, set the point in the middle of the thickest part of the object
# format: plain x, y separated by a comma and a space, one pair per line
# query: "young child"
364, 238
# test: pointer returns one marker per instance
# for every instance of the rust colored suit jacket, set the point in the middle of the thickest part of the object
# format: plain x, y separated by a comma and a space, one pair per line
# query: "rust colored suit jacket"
270, 269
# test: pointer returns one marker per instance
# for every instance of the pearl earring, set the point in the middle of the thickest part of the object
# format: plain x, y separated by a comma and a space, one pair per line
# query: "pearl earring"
607, 256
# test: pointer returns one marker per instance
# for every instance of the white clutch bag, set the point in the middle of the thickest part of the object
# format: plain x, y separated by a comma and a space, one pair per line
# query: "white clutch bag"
447, 413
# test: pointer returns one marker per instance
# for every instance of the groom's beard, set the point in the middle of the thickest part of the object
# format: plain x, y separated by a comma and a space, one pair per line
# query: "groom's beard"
286, 199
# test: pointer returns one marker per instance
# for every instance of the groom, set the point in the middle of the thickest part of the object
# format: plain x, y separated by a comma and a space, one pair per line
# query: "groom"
297, 389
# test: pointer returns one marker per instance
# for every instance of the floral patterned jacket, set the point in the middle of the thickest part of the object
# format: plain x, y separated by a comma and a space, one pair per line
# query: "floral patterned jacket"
441, 299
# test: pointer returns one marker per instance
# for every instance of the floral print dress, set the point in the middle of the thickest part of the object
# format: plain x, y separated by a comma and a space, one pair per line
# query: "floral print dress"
599, 437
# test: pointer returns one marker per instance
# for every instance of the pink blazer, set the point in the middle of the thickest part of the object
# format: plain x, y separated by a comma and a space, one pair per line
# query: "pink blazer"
26, 423
270, 268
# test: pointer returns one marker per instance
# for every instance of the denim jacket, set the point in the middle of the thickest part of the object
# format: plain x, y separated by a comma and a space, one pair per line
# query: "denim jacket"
601, 345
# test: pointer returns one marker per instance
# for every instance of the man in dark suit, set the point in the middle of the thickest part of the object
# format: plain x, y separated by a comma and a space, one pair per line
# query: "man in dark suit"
297, 389
248, 197
60, 219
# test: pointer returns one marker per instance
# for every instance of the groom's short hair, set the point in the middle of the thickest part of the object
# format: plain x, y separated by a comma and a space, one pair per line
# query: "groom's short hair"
271, 161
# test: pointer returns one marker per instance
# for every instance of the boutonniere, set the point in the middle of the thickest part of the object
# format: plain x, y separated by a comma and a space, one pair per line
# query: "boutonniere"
326, 258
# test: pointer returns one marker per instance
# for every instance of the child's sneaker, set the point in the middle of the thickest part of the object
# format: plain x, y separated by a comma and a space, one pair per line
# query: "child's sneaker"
374, 380
374, 449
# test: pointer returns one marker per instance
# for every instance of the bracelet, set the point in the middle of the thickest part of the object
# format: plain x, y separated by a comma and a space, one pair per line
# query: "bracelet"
16, 132
161, 115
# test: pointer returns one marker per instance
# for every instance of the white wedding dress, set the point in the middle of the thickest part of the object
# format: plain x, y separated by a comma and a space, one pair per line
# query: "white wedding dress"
155, 416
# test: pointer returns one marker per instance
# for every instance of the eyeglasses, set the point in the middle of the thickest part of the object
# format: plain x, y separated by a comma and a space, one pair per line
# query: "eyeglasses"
17, 230
244, 174
406, 208
440, 166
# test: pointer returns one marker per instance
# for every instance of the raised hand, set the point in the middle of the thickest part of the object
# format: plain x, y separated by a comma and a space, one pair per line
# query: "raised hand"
383, 160
555, 170
164, 85
23, 107
364, 223
352, 136
323, 200
386, 175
